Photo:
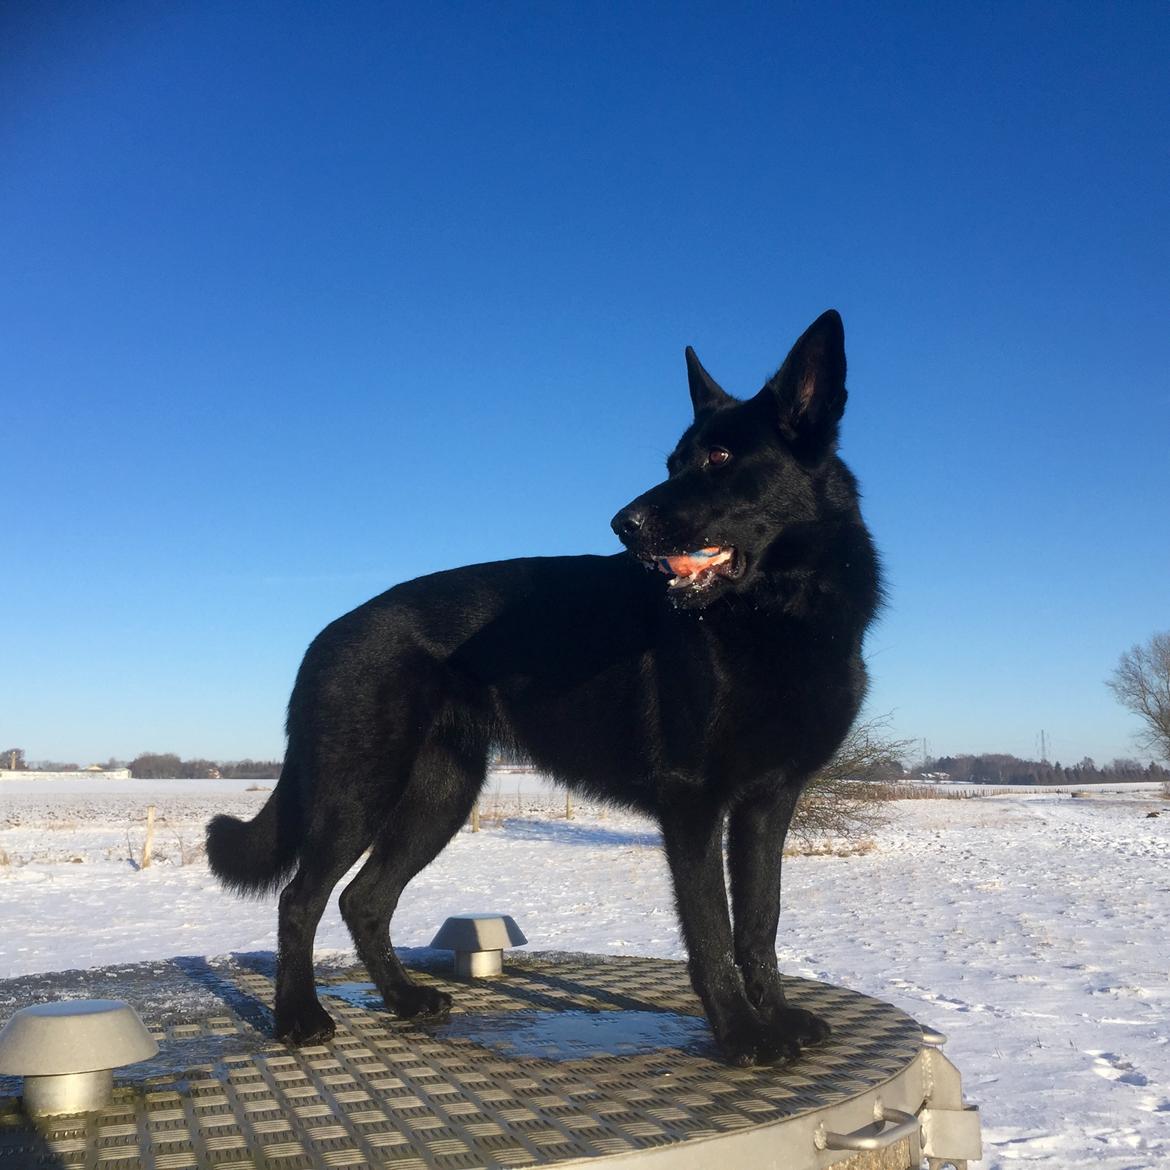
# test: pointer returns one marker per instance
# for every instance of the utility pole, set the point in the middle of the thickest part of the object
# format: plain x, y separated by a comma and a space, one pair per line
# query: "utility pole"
1043, 747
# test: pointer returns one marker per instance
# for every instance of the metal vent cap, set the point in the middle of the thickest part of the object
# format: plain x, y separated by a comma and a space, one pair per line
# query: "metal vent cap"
67, 1051
479, 932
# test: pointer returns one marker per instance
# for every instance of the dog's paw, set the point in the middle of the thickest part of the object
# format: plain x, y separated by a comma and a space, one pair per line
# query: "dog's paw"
306, 1024
416, 1001
740, 1050
803, 1027
777, 1036
752, 1043
786, 1032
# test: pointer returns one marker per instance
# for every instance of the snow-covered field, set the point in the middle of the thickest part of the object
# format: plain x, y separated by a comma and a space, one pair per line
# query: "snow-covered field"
1032, 929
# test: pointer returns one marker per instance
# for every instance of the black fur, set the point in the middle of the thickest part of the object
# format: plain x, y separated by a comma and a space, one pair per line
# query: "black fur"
705, 707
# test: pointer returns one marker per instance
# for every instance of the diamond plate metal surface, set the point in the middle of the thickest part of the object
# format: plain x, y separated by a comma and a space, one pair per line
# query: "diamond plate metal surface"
567, 1057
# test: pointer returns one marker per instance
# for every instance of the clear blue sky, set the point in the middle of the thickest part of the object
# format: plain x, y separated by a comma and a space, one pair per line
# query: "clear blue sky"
301, 300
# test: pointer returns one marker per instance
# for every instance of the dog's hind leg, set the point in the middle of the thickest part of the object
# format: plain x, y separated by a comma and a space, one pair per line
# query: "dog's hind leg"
448, 774
756, 833
300, 1018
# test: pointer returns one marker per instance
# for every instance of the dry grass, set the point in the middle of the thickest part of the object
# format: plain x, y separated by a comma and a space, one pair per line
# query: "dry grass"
497, 805
188, 854
803, 848
4, 858
919, 792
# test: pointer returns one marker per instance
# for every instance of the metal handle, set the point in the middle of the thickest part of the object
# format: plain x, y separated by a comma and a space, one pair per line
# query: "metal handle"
901, 1125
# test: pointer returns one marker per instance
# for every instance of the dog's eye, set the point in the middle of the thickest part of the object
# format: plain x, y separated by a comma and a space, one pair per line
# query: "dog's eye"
717, 456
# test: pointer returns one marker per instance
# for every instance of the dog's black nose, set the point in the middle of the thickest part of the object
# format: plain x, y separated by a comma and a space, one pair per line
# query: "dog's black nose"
628, 522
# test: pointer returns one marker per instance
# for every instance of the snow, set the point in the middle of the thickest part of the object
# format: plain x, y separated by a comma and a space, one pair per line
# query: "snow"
1030, 928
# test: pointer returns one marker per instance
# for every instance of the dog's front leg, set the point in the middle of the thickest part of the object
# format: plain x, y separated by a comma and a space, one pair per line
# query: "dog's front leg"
757, 830
693, 834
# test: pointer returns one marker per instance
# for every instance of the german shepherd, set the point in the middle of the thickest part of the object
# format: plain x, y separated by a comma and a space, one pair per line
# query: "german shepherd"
704, 692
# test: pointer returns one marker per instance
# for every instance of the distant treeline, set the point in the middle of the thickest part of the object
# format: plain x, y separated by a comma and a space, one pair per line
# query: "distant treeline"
984, 769
155, 766
997, 769
168, 766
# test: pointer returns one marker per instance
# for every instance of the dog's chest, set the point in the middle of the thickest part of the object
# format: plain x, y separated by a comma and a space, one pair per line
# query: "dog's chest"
762, 701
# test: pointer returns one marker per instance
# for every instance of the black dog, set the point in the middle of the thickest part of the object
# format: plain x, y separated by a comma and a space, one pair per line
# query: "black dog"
705, 694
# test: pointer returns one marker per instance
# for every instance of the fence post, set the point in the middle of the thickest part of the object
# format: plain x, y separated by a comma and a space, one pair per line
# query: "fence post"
148, 844
475, 817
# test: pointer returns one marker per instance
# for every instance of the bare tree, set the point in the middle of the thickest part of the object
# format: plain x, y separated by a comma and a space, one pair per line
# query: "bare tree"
1141, 683
847, 797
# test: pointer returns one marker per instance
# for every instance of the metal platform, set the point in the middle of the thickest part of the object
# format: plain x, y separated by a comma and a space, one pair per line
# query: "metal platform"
568, 1058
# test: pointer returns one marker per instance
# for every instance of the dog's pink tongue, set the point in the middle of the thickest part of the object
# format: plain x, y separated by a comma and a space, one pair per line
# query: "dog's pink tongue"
689, 564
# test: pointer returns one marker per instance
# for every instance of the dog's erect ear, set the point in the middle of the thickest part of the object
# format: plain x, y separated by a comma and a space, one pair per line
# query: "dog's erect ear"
706, 393
807, 394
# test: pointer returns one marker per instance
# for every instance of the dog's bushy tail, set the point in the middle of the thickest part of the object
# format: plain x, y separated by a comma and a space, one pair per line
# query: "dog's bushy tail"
255, 857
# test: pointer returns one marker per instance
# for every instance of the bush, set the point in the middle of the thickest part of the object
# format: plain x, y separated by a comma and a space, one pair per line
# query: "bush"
846, 798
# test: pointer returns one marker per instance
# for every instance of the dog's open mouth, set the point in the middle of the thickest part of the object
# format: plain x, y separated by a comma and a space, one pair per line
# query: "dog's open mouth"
699, 569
